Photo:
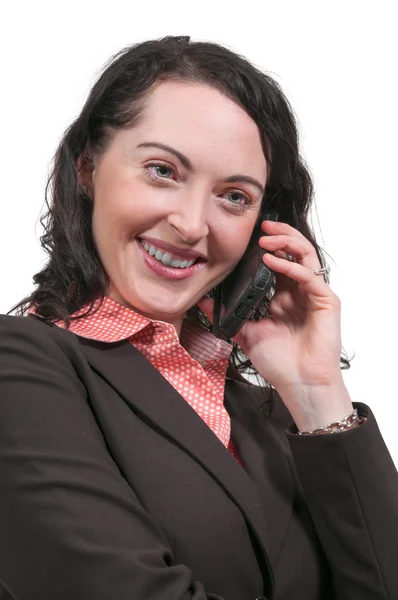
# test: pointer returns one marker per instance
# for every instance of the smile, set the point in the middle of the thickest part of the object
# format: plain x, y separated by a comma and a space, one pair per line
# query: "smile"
168, 271
166, 258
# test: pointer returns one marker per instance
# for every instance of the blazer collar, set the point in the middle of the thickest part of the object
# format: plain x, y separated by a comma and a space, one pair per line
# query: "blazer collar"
146, 390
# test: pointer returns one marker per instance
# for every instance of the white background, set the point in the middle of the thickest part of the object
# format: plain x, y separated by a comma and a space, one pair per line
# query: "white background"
337, 64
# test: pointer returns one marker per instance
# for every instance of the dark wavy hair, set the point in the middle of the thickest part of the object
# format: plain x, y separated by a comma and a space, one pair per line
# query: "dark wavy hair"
73, 275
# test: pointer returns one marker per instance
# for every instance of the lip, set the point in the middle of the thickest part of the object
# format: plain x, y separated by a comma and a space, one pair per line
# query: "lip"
168, 272
178, 253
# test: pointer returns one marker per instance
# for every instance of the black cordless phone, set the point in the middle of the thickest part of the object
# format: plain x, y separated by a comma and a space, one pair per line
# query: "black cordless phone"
242, 291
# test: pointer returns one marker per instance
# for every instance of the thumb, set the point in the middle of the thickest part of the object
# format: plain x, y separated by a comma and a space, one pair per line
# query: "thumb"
206, 304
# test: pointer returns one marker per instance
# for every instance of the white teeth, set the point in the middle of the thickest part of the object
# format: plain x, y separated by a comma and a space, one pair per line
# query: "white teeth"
166, 258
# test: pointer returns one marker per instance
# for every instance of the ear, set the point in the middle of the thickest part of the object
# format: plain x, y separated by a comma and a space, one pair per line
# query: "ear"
85, 173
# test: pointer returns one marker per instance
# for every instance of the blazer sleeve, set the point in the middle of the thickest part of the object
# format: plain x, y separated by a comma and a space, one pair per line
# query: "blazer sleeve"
71, 526
351, 486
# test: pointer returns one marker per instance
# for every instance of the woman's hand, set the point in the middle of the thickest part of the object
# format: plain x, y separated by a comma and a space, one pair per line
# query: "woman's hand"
297, 346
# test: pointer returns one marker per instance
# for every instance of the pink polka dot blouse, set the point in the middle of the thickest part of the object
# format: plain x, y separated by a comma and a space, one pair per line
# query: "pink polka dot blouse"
195, 365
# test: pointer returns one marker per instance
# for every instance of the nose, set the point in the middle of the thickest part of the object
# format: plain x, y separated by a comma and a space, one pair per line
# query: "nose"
190, 217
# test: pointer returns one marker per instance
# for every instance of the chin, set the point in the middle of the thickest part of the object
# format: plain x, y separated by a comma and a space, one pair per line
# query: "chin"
156, 310
154, 302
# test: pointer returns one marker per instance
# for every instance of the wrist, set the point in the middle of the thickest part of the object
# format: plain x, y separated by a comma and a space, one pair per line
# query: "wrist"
350, 421
313, 407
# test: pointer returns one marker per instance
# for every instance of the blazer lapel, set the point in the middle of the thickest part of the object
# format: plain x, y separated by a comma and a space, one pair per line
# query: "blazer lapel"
147, 391
265, 454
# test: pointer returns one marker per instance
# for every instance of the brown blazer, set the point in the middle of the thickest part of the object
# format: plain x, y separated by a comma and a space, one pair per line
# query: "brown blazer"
113, 488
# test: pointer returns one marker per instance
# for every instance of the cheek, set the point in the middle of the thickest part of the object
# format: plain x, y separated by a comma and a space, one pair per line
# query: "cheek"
234, 239
125, 210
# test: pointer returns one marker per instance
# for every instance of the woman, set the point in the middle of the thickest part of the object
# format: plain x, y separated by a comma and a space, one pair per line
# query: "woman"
136, 461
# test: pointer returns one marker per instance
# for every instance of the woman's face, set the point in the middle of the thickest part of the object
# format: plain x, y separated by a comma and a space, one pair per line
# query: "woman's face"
143, 193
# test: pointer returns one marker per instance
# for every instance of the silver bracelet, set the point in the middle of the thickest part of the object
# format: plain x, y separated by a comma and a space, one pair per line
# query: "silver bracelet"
347, 423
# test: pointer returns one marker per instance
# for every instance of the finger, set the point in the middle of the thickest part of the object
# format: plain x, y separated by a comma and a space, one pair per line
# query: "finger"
306, 277
300, 248
284, 283
279, 227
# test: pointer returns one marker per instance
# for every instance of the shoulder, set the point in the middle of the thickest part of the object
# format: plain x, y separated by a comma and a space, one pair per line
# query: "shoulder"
39, 360
11, 325
31, 335
27, 327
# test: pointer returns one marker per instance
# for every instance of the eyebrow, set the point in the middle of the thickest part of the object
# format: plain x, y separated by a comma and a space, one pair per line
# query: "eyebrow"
188, 165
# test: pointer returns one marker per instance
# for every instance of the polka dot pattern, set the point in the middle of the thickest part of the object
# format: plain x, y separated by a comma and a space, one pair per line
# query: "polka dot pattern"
195, 365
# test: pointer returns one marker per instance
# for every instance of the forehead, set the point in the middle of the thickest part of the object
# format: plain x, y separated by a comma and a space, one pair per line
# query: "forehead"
203, 124
200, 104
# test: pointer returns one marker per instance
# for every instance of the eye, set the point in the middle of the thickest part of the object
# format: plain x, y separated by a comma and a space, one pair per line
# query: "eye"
238, 207
244, 204
160, 166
